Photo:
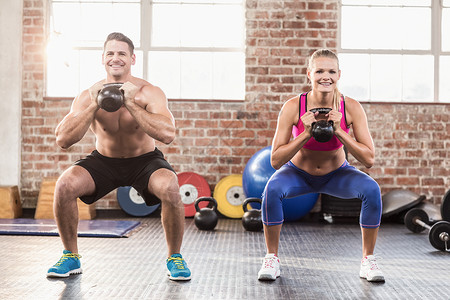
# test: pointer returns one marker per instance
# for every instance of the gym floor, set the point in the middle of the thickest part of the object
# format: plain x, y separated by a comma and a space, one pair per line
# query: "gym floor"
319, 261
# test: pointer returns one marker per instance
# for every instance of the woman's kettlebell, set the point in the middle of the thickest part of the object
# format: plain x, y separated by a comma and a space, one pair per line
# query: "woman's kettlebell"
251, 220
322, 131
110, 98
206, 218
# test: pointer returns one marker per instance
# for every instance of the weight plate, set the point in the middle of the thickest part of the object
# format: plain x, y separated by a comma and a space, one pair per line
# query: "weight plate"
235, 195
136, 197
229, 194
414, 214
192, 186
189, 193
445, 207
132, 203
437, 234
433, 211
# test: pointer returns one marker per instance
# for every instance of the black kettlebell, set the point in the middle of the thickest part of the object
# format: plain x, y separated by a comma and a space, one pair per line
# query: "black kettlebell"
251, 220
322, 131
206, 218
110, 98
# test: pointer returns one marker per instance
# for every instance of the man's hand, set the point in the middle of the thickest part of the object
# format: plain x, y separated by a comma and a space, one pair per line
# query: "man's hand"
94, 90
129, 92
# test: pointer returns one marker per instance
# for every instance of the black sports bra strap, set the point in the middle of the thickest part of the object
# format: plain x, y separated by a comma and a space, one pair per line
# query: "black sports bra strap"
299, 106
343, 108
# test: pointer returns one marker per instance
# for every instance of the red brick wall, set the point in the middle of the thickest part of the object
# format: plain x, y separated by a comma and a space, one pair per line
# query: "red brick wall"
216, 139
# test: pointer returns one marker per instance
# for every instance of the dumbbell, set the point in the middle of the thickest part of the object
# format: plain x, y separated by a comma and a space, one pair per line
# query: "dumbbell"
110, 98
439, 233
322, 131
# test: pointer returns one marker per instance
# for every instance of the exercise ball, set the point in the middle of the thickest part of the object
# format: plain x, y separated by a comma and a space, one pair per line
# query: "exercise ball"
257, 172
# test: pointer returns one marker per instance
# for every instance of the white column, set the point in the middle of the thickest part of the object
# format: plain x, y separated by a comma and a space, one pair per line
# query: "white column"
10, 90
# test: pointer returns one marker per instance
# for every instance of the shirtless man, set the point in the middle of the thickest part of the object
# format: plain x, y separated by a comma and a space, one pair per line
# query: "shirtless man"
125, 155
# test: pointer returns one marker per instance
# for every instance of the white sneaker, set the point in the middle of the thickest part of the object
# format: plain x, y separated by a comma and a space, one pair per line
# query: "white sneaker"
270, 269
370, 270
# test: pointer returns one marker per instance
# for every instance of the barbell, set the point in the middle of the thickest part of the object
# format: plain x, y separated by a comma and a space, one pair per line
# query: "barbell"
439, 234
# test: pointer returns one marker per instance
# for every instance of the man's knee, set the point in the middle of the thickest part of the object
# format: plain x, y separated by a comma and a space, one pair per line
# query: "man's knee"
65, 188
72, 184
165, 186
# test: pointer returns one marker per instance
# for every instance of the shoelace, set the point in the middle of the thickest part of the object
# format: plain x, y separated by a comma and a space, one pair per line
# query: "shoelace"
178, 261
373, 263
268, 262
65, 257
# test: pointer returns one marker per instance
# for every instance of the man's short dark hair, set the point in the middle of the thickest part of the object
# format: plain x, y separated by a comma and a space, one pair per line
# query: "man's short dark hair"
117, 36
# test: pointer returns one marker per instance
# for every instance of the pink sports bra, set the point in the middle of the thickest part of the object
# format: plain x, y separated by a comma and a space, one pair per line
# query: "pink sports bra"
312, 144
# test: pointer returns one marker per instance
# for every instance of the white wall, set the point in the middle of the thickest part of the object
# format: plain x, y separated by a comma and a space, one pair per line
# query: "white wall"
10, 90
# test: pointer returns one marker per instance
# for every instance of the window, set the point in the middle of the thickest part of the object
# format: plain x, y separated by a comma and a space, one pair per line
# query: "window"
395, 50
192, 49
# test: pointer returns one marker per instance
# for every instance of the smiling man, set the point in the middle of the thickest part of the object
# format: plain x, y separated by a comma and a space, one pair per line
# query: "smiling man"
125, 155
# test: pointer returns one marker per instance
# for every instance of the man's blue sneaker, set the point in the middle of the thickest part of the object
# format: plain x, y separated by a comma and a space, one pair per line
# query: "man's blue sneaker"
68, 264
177, 268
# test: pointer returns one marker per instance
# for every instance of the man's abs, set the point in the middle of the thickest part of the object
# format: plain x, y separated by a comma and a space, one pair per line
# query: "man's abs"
119, 135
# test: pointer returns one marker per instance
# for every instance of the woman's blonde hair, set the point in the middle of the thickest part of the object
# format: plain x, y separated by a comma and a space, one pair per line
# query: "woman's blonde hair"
329, 54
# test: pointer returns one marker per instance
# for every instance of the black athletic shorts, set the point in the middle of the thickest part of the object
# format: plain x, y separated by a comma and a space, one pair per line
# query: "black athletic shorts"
109, 173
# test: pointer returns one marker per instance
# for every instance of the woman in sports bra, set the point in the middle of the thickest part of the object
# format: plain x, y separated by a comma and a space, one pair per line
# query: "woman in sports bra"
306, 166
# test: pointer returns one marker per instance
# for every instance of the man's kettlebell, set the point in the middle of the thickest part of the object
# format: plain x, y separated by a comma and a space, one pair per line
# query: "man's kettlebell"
110, 98
206, 218
322, 131
251, 220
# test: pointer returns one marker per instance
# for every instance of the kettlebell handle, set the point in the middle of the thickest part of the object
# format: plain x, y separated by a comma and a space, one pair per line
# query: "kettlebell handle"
250, 200
116, 84
321, 110
205, 199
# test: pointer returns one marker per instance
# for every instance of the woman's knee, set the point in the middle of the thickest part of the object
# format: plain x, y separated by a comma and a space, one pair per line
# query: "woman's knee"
274, 189
372, 190
372, 203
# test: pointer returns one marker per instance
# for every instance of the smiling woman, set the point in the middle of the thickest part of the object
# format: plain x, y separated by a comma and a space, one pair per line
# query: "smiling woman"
308, 165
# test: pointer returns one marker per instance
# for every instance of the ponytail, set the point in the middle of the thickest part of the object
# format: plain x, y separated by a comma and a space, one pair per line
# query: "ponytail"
336, 99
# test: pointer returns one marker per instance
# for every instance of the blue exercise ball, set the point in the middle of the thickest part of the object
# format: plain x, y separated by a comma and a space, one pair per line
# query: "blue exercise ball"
257, 172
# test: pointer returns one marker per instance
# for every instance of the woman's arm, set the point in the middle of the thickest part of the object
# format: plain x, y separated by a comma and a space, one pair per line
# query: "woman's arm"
283, 148
362, 147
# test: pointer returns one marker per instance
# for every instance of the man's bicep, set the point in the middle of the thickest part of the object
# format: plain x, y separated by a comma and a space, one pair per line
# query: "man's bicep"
80, 102
158, 103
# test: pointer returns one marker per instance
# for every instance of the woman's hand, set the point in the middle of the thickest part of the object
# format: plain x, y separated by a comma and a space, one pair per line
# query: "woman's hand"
336, 117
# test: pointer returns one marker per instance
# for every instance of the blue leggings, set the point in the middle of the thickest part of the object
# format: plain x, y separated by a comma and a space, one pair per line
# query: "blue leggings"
346, 182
